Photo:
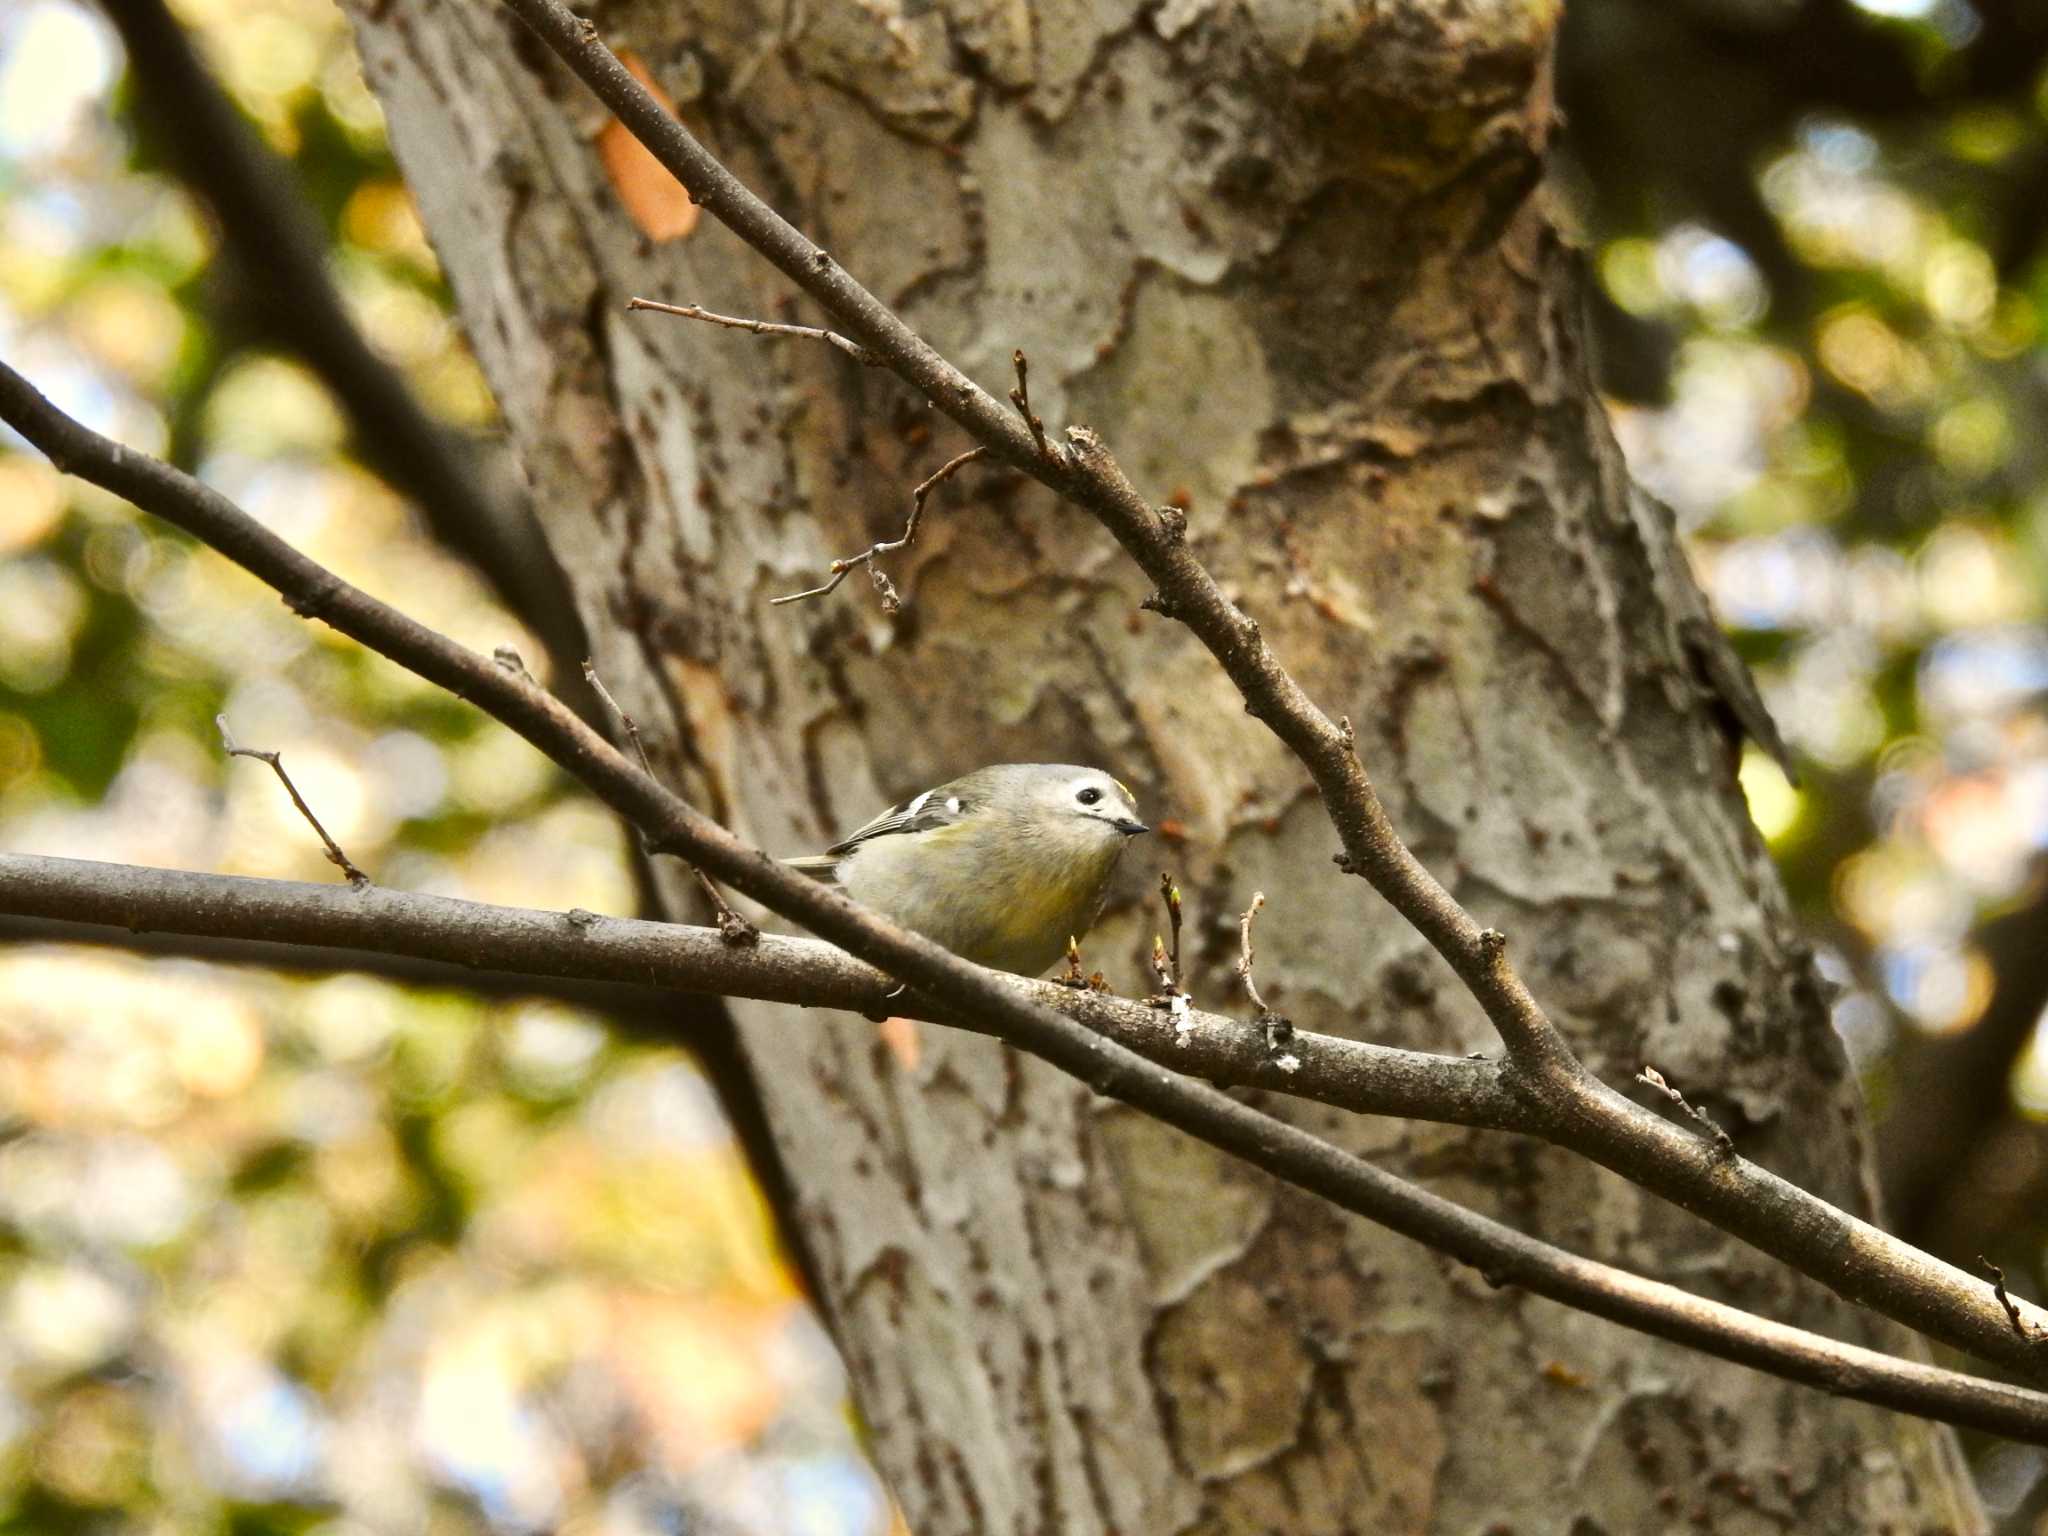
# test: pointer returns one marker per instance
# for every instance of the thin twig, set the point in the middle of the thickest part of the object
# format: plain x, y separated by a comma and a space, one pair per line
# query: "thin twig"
851, 348
891, 603
276, 760
735, 928
1245, 957
2019, 1324
1724, 1144
1020, 397
1277, 1029
1170, 894
1166, 957
626, 721
1166, 972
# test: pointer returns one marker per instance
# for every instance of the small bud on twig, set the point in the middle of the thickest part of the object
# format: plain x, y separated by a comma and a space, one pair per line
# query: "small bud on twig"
1724, 1144
1020, 397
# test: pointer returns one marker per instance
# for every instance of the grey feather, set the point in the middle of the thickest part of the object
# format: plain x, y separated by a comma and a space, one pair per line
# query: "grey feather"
924, 812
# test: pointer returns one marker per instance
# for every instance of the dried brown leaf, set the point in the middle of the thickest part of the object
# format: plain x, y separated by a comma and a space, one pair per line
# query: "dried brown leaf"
655, 200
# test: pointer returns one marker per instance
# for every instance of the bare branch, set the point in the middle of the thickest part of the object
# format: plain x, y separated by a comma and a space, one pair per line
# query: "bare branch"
999, 1004
806, 972
276, 760
581, 946
1567, 1104
1576, 1109
1279, 1032
736, 929
1168, 993
852, 349
891, 603
626, 722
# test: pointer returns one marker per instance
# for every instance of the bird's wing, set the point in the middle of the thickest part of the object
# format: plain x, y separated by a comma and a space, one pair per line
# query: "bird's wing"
925, 812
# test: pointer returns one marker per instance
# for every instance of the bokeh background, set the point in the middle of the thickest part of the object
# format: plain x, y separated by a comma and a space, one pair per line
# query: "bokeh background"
288, 1252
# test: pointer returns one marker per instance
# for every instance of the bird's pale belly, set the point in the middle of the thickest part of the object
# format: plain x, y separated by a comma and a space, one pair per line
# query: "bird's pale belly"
1024, 932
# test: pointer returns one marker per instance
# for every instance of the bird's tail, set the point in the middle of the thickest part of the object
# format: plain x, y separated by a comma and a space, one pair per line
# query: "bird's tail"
819, 866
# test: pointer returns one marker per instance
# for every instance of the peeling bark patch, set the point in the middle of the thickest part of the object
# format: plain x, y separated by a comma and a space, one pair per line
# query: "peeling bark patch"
1184, 1240
1235, 1407
895, 58
1542, 589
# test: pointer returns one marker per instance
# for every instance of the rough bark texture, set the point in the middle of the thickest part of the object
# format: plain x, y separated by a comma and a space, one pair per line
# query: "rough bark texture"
1289, 259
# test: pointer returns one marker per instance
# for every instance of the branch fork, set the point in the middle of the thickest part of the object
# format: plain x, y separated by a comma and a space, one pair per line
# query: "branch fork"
1584, 1114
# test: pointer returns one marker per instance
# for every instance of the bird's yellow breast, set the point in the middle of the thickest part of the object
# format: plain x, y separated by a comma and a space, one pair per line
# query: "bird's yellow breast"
988, 895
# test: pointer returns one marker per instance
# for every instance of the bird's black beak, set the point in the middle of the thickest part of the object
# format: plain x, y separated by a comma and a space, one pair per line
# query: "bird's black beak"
1130, 828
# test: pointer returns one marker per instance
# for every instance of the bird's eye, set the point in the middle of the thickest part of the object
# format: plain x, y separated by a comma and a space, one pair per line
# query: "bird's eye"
1089, 795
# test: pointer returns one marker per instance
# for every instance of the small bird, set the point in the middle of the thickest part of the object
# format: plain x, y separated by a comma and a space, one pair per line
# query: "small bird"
1002, 865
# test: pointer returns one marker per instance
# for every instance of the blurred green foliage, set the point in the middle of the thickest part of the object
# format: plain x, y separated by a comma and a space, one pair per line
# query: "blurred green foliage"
1820, 249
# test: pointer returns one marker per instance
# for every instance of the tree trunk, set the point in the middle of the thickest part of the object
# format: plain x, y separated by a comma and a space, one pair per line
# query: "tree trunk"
1291, 261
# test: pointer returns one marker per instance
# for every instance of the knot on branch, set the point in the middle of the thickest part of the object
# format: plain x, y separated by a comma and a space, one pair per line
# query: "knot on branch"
1492, 943
1173, 523
313, 601
1086, 444
510, 660
1159, 603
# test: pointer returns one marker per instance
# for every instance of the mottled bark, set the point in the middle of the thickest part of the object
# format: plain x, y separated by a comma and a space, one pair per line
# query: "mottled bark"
1290, 261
